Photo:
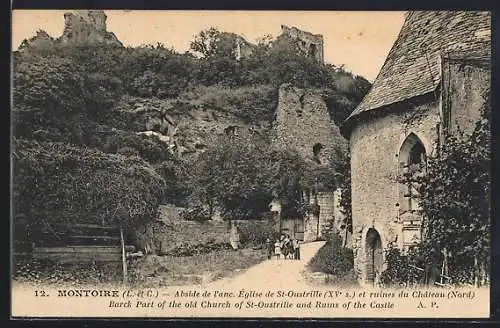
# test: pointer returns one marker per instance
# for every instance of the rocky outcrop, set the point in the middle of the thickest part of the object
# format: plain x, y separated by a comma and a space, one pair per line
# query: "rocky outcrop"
188, 124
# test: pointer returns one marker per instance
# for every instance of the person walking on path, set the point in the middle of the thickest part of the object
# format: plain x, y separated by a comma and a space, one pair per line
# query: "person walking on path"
296, 249
286, 248
269, 248
277, 248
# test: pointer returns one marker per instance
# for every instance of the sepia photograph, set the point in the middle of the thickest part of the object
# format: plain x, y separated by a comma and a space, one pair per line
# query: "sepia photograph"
260, 164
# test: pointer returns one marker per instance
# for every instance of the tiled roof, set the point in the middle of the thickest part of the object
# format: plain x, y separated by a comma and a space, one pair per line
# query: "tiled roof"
412, 66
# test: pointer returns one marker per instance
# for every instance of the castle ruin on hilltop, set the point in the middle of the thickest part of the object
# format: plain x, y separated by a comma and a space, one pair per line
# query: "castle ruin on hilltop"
310, 44
80, 27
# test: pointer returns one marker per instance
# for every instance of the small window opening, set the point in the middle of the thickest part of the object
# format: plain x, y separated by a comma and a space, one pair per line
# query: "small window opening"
317, 152
312, 50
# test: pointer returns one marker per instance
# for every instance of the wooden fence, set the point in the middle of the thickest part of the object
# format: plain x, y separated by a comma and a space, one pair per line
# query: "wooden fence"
82, 243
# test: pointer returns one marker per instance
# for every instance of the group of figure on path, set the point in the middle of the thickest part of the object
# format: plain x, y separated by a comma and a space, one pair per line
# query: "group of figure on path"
286, 246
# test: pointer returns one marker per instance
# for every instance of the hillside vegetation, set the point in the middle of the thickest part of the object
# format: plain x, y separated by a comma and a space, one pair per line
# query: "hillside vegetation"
78, 110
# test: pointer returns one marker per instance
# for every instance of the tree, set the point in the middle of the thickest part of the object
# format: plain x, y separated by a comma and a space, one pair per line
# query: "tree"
290, 182
48, 95
344, 94
343, 167
205, 42
212, 42
241, 177
58, 183
235, 176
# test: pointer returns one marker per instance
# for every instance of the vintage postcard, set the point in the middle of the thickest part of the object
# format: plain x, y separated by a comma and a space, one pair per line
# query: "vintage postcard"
250, 164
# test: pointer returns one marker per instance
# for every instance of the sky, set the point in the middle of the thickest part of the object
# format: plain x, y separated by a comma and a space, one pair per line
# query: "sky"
358, 40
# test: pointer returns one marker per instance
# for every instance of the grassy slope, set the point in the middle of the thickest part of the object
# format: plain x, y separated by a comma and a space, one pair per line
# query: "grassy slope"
157, 271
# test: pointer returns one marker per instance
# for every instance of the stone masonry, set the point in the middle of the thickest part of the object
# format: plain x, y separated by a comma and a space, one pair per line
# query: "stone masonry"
432, 83
83, 27
310, 44
87, 26
303, 123
374, 149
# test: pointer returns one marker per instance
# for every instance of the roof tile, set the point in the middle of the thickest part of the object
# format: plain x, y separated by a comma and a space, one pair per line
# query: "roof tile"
412, 66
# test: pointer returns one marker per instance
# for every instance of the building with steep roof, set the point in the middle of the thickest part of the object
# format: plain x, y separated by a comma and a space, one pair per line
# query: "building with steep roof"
433, 83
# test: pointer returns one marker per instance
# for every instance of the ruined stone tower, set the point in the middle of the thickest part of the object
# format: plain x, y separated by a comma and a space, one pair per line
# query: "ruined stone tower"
310, 44
81, 27
87, 26
303, 123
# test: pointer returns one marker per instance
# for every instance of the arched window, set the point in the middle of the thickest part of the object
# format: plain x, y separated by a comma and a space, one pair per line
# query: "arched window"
412, 159
373, 255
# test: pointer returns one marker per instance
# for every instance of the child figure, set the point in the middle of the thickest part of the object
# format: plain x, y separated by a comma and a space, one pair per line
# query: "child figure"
269, 248
277, 248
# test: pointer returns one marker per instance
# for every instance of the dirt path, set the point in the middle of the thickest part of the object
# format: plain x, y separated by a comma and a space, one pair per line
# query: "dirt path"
272, 274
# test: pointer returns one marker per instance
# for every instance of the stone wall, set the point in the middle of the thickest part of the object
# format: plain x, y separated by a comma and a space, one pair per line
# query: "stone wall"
338, 223
243, 48
326, 202
464, 87
97, 18
375, 147
310, 228
302, 121
311, 44
88, 27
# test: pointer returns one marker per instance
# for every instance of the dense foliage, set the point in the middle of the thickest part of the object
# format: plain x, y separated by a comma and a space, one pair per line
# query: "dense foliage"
255, 233
333, 258
68, 100
343, 167
161, 72
401, 268
455, 204
57, 183
234, 176
240, 175
251, 104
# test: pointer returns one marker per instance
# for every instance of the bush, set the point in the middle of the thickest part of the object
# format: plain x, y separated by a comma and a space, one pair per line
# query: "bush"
332, 258
253, 233
154, 71
455, 203
149, 148
399, 271
195, 213
187, 249
250, 103
57, 183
